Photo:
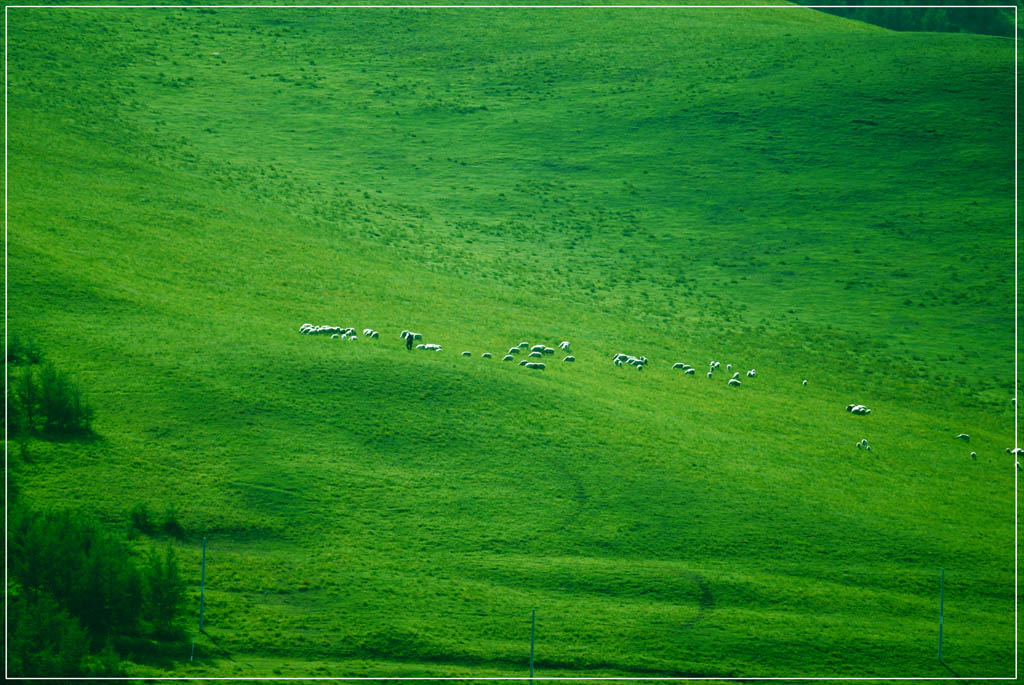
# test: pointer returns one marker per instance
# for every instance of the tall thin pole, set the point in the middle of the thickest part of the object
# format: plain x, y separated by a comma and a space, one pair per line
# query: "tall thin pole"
533, 625
942, 588
202, 589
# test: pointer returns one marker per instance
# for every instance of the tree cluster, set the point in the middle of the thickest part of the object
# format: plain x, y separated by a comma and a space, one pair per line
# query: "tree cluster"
42, 400
75, 590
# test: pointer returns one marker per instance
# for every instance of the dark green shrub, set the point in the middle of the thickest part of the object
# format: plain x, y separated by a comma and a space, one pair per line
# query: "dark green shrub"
22, 351
46, 401
139, 521
61, 405
165, 592
171, 525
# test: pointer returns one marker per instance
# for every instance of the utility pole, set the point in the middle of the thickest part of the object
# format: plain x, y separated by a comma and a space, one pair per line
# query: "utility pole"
202, 589
533, 625
942, 588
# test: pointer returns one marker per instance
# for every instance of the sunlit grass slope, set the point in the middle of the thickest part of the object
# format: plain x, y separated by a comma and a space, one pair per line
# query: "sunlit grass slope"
778, 189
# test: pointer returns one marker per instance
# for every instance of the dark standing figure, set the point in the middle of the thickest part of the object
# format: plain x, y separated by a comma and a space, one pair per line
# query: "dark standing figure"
408, 342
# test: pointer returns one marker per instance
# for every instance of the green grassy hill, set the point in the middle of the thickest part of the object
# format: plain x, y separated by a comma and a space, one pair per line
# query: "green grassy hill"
777, 189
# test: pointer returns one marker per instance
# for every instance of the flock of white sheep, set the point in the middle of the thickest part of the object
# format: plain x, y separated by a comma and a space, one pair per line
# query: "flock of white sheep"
620, 359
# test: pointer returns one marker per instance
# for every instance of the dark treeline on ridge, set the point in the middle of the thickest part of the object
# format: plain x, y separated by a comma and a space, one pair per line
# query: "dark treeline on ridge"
984, 20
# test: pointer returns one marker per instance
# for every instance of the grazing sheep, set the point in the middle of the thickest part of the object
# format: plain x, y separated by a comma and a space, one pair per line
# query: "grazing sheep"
432, 347
564, 345
688, 371
375, 334
639, 367
974, 455
535, 354
523, 345
617, 362
1014, 451
709, 374
486, 355
334, 336
548, 350
728, 367
353, 337
679, 365
524, 363
734, 382
964, 436
513, 350
751, 373
805, 381
367, 331
867, 447
421, 346
535, 365
857, 409
344, 336
537, 348
569, 358
736, 375
507, 358
467, 354
714, 365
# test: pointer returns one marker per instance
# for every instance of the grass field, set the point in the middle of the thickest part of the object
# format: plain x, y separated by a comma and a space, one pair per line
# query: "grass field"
777, 189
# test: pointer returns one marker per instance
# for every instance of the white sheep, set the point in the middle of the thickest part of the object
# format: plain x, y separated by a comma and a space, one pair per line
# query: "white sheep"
548, 350
537, 348
974, 455
367, 331
507, 358
736, 375
432, 347
564, 345
513, 350
353, 337
639, 367
334, 336
569, 358
535, 354
535, 365
523, 345
751, 373
486, 355
679, 365
617, 362
805, 382
1014, 451
709, 374
734, 382
375, 334
467, 354
964, 436
728, 367
421, 346
688, 371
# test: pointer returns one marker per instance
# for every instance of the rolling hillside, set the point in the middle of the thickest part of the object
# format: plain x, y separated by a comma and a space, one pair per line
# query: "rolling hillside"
777, 189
